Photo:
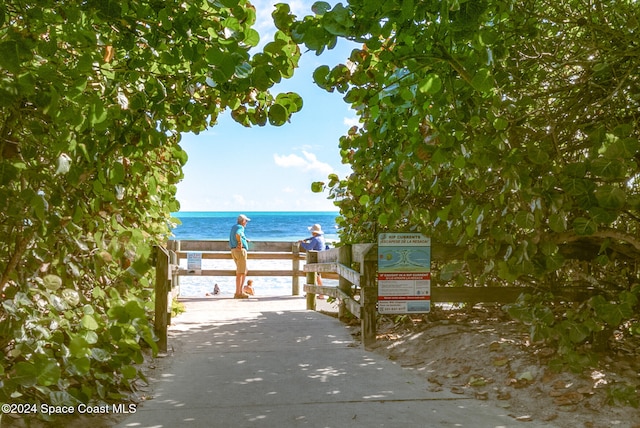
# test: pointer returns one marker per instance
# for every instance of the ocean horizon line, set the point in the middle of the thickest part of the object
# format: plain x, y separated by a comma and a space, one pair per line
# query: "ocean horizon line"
234, 213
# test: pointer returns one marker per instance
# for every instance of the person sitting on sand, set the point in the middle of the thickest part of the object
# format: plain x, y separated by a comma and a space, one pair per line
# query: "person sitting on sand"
248, 289
216, 291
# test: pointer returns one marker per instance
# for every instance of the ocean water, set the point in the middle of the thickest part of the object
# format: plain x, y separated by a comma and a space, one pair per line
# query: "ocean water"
288, 226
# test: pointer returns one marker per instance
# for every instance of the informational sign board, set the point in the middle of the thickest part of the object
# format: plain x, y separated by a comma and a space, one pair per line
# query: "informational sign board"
194, 261
404, 273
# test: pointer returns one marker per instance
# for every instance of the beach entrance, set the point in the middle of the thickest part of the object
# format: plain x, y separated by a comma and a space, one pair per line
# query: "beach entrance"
194, 252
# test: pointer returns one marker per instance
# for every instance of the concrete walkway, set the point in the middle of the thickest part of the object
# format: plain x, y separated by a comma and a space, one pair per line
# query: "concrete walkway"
268, 362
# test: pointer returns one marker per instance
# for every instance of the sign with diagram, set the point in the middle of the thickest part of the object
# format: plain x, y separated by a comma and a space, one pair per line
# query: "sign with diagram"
404, 273
194, 262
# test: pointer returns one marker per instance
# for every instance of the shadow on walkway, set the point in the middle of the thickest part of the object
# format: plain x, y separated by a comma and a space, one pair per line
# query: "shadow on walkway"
268, 362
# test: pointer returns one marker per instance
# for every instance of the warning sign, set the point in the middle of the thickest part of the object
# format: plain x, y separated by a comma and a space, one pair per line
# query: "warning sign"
404, 273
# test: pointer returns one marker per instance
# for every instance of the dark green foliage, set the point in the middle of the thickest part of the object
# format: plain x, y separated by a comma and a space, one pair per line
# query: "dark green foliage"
93, 98
509, 129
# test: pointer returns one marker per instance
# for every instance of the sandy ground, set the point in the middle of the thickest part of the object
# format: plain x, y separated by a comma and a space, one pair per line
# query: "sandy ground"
483, 354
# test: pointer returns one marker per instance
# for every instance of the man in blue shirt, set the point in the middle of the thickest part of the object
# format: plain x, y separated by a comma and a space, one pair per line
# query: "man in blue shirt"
239, 245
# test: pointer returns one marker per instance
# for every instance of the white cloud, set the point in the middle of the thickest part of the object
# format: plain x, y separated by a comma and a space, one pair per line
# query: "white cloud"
264, 21
351, 121
309, 162
289, 161
238, 200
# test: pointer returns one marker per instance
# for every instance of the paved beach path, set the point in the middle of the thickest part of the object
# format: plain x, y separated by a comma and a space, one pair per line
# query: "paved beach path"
268, 362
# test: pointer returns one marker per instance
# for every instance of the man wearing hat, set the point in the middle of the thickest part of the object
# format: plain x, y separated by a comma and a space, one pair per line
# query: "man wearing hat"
238, 244
315, 243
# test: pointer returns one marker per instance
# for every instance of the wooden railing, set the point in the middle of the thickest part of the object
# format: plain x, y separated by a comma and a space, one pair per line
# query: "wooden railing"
357, 292
258, 250
168, 270
355, 267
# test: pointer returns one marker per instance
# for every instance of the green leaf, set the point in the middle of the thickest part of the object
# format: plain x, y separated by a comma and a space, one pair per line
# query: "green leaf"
277, 115
129, 372
135, 310
12, 54
558, 222
71, 296
482, 80
612, 313
610, 197
116, 173
431, 85
500, 124
320, 7
525, 220
608, 168
602, 216
79, 347
576, 169
584, 226
48, 371
52, 282
317, 187
89, 322
337, 21
251, 37
576, 332
80, 366
407, 9
536, 155
26, 374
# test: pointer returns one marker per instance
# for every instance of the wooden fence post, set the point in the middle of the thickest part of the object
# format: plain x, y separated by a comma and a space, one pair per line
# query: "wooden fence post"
162, 304
369, 297
312, 257
174, 260
344, 258
295, 280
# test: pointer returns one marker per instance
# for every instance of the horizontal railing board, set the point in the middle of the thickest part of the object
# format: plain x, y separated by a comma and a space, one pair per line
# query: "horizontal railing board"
504, 294
352, 305
340, 270
223, 245
226, 255
227, 272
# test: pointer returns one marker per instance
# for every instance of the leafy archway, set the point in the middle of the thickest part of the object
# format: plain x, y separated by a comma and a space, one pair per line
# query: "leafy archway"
93, 98
507, 129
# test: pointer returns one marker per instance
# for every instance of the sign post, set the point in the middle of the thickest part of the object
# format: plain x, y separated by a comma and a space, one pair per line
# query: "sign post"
404, 273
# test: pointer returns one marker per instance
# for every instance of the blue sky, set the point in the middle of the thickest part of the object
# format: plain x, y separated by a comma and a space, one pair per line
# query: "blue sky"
233, 168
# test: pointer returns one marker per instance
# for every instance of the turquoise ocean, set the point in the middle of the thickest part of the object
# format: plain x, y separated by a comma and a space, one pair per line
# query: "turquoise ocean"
284, 226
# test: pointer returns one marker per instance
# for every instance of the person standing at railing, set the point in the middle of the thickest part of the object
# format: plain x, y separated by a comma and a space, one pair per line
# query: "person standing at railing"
315, 243
239, 244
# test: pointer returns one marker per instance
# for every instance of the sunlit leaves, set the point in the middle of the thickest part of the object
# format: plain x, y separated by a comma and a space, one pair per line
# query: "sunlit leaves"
52, 282
92, 101
482, 80
466, 112
432, 84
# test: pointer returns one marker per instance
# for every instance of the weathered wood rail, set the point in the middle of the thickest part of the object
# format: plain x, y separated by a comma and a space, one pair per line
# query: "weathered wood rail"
258, 250
168, 270
357, 292
355, 267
